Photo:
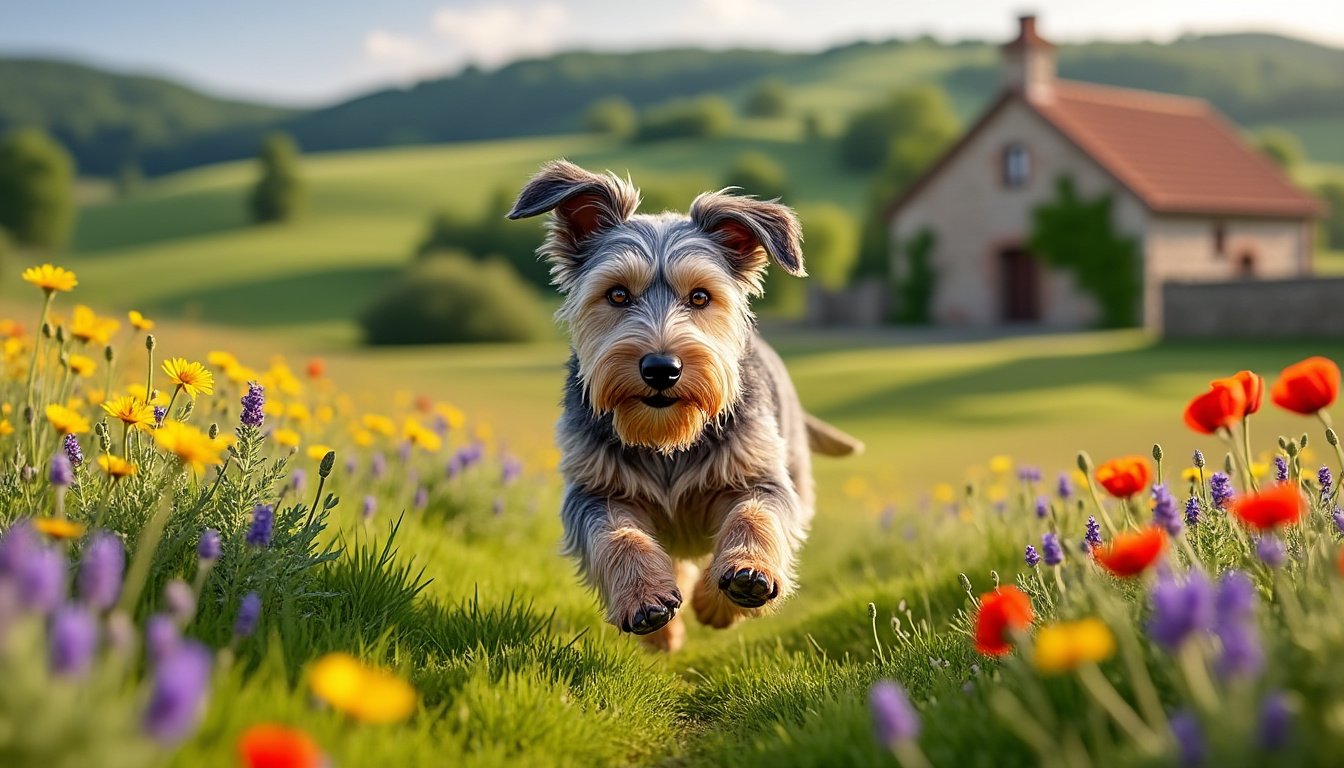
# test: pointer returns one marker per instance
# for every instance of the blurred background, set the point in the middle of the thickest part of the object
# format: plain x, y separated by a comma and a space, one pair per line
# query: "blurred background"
992, 227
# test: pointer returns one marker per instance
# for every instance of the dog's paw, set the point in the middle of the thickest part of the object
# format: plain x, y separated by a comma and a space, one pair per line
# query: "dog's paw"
748, 587
648, 615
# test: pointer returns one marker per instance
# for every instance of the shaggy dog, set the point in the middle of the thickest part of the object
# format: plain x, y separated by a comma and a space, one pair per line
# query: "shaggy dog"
682, 436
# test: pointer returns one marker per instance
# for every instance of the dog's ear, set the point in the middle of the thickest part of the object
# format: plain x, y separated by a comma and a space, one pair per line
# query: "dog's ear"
751, 229
583, 203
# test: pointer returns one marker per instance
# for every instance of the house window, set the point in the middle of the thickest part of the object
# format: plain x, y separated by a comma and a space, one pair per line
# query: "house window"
1219, 240
1016, 166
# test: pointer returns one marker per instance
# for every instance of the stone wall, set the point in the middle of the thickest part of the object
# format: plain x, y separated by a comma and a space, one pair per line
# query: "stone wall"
1254, 309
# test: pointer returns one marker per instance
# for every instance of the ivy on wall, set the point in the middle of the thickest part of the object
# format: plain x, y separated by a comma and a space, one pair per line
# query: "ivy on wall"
1075, 234
914, 293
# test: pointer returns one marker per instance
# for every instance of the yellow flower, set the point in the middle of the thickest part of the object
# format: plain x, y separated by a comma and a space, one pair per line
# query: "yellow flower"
58, 528
280, 378
131, 411
1001, 465
192, 446
10, 328
286, 437
193, 378
854, 487
139, 321
317, 451
51, 279
324, 414
82, 366
379, 424
362, 437
273, 408
1259, 469
95, 396
66, 421
1190, 474
298, 412
6, 428
484, 432
88, 327
115, 466
452, 415
416, 434
366, 693
1064, 646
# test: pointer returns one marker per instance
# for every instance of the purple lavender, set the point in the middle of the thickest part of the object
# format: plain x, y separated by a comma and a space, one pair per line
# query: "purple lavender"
180, 601
160, 413
1269, 548
41, 580
1032, 557
1052, 549
1029, 474
16, 546
378, 466
1165, 514
404, 451
262, 529
1189, 738
178, 696
351, 464
72, 450
370, 507
1326, 482
1192, 511
62, 474
1065, 487
1338, 517
421, 497
1276, 721
208, 548
1234, 624
1042, 507
162, 637
249, 613
254, 405
511, 471
1280, 469
298, 480
894, 719
1092, 539
1198, 458
73, 639
1220, 486
100, 573
1180, 610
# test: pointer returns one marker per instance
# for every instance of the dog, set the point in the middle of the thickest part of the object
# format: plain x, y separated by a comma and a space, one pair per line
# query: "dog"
681, 435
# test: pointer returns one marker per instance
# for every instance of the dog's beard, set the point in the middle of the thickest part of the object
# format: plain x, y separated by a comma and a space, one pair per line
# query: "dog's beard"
706, 389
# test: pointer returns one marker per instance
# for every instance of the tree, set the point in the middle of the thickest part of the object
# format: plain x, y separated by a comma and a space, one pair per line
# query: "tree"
611, 117
770, 98
1282, 147
36, 190
1077, 235
915, 290
279, 192
915, 112
757, 174
831, 237
1332, 193
704, 118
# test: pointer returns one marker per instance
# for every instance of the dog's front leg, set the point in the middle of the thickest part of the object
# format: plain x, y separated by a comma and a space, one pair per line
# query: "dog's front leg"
631, 571
753, 556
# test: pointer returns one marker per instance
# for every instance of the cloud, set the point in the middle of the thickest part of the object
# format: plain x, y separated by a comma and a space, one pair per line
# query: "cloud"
380, 45
736, 12
494, 34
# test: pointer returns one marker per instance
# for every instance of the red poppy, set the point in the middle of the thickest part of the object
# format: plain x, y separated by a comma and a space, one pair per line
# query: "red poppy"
1130, 554
269, 745
1307, 387
1339, 564
1221, 407
1279, 505
1125, 476
316, 367
1253, 384
1002, 611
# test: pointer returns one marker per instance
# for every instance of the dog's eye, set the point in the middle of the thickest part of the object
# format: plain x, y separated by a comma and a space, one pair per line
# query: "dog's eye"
699, 298
618, 297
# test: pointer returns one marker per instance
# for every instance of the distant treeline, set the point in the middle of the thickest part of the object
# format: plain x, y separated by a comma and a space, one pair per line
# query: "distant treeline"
112, 123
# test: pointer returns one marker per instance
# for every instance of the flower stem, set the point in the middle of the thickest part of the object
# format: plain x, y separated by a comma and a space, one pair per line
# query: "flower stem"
1119, 710
145, 548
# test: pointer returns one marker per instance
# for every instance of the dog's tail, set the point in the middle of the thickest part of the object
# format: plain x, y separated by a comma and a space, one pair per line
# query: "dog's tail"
828, 441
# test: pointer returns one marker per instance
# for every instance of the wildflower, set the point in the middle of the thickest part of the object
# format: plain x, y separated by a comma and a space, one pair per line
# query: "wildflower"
1064, 487
1001, 464
100, 572
1064, 646
1222, 406
66, 421
1029, 474
1280, 469
180, 601
286, 437
1032, 558
418, 435
1125, 476
192, 378
1220, 488
1234, 624
421, 497
249, 613
73, 638
1307, 387
1253, 385
51, 279
1005, 610
254, 405
316, 368
1276, 721
1180, 610
894, 719
1189, 736
260, 532
40, 576
82, 366
1338, 517
370, 506
58, 528
511, 471
1050, 546
208, 547
1324, 479
61, 473
88, 327
116, 467
191, 446
162, 637
269, 745
1269, 548
1198, 459
1092, 539
378, 465
365, 693
131, 411
177, 698
72, 450
1192, 511
1268, 509
221, 359
298, 480
1165, 514
139, 322
317, 451
160, 412
1131, 553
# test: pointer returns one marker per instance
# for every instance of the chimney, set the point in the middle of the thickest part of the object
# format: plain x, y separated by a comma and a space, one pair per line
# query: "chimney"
1029, 63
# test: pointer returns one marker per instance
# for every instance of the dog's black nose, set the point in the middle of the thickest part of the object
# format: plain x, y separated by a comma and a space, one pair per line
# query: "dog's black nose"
660, 371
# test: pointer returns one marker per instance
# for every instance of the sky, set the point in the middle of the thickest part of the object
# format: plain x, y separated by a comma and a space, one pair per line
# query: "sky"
310, 52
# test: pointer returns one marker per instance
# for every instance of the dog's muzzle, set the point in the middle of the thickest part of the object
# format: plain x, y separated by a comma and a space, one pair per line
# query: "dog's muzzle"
660, 371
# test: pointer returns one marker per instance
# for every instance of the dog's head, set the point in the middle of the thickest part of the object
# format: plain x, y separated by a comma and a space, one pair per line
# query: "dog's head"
657, 306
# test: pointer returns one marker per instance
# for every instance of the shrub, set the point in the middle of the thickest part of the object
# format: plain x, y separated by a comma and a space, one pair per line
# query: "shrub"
831, 242
917, 113
451, 298
278, 194
758, 174
491, 233
611, 117
36, 189
1282, 147
703, 118
1332, 192
770, 98
914, 293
